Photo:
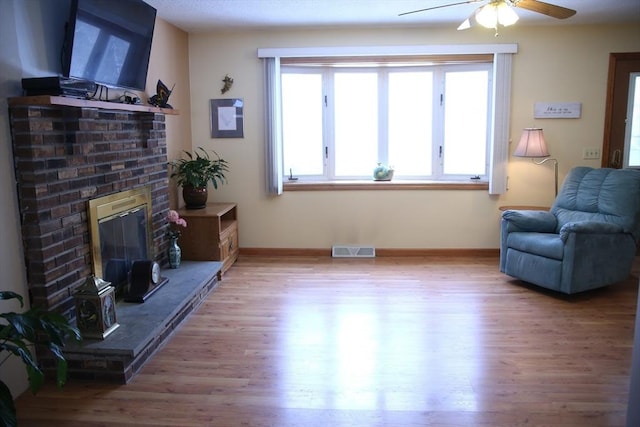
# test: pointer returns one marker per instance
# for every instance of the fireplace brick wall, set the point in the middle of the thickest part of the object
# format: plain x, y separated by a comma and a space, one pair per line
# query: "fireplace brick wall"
64, 156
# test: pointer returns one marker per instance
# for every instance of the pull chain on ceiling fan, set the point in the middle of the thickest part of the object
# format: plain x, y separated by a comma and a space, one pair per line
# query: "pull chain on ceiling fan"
500, 12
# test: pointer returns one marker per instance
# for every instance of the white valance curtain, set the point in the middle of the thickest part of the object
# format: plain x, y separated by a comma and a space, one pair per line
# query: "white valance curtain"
502, 60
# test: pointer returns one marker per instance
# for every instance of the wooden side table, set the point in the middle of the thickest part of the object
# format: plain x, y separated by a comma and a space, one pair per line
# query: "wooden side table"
211, 234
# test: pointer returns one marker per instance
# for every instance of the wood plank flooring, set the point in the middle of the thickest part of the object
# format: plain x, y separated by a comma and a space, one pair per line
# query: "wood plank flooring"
433, 341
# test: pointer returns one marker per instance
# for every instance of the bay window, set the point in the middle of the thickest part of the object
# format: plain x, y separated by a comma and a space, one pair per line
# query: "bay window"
440, 118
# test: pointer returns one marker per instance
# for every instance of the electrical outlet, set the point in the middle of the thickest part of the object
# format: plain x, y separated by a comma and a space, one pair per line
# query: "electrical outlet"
591, 153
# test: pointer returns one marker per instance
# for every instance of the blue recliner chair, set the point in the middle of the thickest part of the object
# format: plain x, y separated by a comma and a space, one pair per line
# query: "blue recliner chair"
588, 238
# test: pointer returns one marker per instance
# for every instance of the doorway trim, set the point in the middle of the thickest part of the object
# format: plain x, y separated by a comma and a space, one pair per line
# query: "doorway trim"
614, 60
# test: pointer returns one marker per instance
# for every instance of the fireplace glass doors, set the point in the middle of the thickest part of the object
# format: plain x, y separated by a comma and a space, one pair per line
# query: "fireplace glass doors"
120, 227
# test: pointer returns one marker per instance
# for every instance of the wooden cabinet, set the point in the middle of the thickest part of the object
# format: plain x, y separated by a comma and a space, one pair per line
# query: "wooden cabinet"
211, 234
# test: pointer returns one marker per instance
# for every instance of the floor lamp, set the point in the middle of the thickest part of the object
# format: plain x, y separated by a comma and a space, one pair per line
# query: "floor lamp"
532, 144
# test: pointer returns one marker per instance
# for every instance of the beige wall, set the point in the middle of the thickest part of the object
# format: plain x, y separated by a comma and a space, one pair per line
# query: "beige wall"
12, 273
169, 62
554, 64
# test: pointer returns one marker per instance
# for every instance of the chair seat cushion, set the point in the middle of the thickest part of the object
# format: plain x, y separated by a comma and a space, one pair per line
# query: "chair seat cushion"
548, 245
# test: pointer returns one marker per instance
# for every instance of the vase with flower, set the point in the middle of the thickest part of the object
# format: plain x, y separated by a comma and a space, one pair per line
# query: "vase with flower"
175, 253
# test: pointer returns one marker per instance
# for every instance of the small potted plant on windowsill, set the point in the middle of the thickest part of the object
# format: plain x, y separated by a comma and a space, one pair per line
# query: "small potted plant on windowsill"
194, 173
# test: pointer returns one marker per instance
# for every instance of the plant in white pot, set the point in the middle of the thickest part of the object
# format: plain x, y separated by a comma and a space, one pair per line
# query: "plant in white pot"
194, 172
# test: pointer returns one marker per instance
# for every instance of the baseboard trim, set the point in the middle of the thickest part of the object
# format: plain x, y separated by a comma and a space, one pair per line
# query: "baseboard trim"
285, 252
380, 252
462, 252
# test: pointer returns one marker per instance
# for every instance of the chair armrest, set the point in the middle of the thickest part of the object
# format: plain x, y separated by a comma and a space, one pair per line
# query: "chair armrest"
534, 221
589, 227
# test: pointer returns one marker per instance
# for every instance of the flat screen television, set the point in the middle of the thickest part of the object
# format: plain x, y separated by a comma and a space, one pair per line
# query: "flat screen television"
109, 42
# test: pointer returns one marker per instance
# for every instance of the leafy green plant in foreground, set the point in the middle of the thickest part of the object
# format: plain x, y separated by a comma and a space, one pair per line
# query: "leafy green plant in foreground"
18, 332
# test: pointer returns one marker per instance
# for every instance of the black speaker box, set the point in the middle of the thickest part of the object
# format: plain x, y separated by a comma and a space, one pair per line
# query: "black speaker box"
58, 86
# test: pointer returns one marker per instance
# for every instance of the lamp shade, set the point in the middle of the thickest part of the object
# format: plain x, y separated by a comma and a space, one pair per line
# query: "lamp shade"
532, 144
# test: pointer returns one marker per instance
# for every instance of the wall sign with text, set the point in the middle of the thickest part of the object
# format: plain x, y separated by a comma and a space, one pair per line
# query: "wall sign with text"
557, 110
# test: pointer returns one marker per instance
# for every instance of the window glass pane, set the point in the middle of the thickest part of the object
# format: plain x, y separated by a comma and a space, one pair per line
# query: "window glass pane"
410, 122
356, 123
302, 124
465, 127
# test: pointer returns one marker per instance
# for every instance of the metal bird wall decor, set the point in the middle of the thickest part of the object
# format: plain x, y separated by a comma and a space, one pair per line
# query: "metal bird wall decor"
228, 82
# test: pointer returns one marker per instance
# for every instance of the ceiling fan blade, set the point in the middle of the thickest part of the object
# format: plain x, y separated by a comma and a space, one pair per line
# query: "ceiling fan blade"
545, 8
465, 25
469, 22
439, 7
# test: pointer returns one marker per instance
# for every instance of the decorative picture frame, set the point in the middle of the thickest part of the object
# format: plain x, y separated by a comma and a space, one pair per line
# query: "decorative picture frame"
227, 118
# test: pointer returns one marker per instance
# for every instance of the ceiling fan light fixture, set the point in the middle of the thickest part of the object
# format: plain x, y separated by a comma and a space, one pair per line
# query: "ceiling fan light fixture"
494, 13
502, 12
487, 16
506, 15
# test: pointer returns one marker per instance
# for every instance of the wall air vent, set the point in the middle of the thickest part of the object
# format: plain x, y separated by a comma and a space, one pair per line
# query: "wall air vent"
342, 251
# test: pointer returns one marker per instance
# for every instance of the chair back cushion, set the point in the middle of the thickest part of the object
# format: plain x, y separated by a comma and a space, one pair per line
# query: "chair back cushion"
604, 195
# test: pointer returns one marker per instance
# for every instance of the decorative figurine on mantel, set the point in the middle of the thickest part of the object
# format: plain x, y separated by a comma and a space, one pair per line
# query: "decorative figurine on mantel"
96, 308
161, 98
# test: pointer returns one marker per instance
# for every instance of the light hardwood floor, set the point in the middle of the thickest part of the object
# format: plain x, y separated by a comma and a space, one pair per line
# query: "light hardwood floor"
433, 341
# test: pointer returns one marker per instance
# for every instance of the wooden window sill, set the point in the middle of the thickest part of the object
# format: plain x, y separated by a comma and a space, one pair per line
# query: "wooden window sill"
383, 185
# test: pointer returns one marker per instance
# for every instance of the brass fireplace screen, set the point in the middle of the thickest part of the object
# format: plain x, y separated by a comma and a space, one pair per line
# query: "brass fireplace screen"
120, 226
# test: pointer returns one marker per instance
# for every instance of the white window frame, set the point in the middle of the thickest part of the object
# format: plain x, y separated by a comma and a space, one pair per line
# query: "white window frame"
499, 141
438, 148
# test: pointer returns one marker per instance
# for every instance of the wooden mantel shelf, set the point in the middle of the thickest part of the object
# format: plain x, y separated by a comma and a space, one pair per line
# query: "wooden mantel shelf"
85, 103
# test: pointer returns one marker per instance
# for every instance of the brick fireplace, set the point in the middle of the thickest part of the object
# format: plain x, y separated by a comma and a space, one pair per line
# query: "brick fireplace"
67, 152
64, 156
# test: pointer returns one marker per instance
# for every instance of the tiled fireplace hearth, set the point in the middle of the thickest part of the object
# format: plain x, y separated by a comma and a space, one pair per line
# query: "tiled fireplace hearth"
67, 152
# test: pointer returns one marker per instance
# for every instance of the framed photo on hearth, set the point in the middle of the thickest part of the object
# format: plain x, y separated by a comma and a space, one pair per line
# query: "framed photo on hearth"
227, 118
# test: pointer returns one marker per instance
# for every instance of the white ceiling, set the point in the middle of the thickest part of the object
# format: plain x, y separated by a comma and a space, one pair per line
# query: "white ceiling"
204, 15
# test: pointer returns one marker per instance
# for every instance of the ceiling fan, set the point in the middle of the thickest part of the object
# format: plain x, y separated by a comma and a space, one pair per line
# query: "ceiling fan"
501, 12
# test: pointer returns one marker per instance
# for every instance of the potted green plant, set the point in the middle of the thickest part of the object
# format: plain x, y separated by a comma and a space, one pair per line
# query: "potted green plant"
32, 327
194, 173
